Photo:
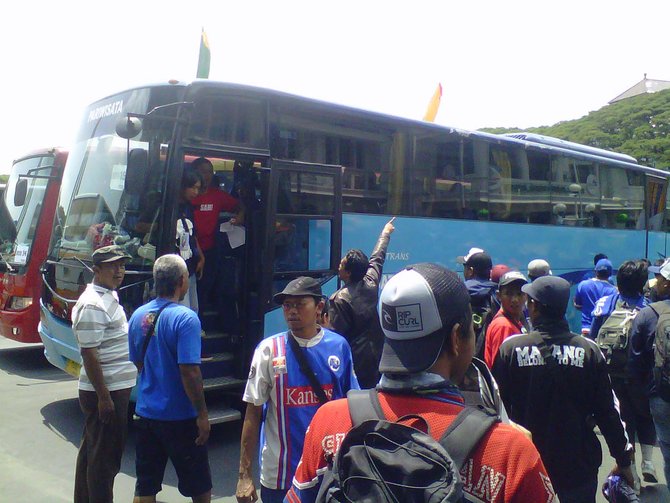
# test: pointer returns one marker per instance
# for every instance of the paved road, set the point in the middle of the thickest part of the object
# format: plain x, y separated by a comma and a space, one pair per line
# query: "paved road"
41, 424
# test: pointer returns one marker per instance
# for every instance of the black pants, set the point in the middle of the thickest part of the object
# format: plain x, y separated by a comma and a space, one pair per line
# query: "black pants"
635, 411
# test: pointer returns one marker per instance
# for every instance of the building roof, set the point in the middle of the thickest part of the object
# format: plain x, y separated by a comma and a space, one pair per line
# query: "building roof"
644, 86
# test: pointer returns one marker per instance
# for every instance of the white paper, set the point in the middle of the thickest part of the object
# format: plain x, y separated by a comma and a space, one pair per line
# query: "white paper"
21, 255
236, 234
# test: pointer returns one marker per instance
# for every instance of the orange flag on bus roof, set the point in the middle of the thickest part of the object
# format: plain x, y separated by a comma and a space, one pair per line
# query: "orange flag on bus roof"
434, 105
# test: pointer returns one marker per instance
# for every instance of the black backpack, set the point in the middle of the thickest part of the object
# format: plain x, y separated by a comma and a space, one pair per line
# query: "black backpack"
482, 314
381, 461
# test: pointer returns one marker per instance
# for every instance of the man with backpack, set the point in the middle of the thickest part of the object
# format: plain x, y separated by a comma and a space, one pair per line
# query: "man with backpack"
555, 384
649, 369
477, 265
613, 320
428, 346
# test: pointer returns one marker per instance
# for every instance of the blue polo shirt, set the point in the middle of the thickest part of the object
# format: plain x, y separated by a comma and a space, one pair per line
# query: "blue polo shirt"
587, 294
176, 341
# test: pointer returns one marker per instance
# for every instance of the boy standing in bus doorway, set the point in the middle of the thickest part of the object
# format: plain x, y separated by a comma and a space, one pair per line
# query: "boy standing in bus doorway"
106, 379
353, 308
292, 374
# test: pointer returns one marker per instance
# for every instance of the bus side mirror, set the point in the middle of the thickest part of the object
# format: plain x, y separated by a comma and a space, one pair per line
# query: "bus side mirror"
136, 172
20, 192
128, 127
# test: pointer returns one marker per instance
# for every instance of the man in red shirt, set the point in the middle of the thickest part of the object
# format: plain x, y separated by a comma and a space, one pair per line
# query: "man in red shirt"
206, 209
429, 342
510, 319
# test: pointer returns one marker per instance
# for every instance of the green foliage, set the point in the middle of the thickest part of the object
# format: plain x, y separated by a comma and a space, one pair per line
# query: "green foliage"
4, 178
637, 126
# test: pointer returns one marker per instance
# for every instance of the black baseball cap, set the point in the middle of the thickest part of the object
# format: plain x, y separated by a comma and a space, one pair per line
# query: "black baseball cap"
512, 277
299, 287
550, 291
110, 253
414, 307
476, 258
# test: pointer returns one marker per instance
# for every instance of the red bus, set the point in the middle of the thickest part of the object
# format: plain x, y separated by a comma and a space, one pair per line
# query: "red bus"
26, 221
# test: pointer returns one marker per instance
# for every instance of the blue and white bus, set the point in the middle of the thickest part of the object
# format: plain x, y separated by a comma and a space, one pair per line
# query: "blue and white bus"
317, 179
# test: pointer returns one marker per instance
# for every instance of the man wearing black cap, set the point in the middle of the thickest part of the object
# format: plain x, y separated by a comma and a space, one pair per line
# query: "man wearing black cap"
292, 374
99, 323
510, 319
477, 265
428, 346
555, 384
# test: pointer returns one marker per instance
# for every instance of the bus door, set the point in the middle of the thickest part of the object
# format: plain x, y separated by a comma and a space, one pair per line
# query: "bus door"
656, 220
303, 230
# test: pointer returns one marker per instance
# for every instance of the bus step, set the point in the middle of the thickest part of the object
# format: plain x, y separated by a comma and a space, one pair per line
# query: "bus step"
226, 382
212, 334
221, 413
217, 357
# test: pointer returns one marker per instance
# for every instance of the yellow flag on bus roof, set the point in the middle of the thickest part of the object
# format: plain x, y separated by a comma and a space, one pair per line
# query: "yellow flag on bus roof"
434, 105
203, 57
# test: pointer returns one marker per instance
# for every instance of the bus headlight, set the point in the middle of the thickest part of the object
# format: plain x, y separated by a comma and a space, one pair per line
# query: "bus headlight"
20, 303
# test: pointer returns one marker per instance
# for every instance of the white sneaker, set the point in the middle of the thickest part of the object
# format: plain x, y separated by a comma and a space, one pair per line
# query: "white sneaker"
649, 472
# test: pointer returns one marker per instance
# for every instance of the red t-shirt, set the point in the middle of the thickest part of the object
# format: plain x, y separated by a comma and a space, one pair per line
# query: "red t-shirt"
500, 328
206, 209
504, 467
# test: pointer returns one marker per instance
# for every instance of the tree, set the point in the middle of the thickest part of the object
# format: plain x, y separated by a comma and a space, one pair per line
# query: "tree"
637, 126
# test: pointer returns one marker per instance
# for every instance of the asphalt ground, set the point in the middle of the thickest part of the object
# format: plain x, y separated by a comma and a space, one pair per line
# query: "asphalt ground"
41, 425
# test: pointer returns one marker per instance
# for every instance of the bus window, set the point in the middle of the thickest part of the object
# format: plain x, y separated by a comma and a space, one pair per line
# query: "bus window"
622, 197
538, 188
575, 192
229, 120
364, 157
437, 182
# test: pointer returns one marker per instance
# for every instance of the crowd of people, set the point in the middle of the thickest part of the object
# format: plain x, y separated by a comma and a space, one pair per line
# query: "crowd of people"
352, 371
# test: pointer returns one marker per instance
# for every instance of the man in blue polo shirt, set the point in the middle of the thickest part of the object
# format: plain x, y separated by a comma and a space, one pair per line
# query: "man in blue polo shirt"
591, 290
164, 338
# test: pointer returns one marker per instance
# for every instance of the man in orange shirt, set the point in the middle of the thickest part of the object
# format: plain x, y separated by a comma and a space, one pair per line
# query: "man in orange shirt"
429, 342
509, 320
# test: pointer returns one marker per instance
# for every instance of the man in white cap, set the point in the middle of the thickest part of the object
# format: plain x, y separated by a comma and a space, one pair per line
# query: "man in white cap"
428, 346
537, 268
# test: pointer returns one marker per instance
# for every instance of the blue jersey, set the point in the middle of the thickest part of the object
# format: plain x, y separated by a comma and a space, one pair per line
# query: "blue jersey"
276, 382
176, 341
588, 293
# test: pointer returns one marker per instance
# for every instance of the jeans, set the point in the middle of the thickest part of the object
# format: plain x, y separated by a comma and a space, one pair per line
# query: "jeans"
191, 297
660, 411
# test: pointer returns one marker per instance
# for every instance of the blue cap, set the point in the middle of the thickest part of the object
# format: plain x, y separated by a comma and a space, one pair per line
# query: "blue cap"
603, 265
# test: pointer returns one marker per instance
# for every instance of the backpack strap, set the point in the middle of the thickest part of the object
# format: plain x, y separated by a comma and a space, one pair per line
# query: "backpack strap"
149, 335
465, 432
660, 307
364, 405
306, 368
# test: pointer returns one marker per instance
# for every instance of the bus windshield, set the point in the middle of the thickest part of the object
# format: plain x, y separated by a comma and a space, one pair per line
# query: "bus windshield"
20, 222
105, 198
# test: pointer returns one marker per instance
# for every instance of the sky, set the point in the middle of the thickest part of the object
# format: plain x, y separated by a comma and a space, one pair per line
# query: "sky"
512, 64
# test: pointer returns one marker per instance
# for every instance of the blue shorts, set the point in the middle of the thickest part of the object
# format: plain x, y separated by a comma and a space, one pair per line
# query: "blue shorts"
158, 441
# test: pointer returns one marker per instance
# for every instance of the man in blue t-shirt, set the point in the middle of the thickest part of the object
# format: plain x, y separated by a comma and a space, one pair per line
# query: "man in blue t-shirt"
283, 394
591, 290
164, 341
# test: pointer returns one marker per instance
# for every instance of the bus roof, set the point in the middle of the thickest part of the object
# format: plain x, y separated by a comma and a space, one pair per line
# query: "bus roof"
557, 142
529, 141
41, 152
